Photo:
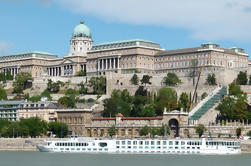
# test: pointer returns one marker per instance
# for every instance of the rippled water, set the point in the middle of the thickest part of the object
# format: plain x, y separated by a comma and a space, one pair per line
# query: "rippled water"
69, 159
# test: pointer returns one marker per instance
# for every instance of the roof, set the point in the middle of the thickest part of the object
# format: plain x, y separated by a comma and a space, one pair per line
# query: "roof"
126, 43
32, 54
178, 51
81, 30
11, 102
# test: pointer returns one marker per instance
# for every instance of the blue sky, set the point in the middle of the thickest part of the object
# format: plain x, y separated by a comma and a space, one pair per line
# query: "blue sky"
46, 25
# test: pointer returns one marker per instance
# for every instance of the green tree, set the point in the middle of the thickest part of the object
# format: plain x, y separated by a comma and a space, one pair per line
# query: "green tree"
146, 80
22, 80
112, 131
46, 93
3, 94
242, 78
98, 84
35, 98
120, 102
35, 126
135, 79
171, 79
141, 91
58, 128
8, 75
3, 124
144, 131
226, 108
241, 110
204, 95
238, 132
211, 79
81, 73
165, 130
53, 87
167, 97
68, 101
82, 88
2, 76
184, 101
71, 92
235, 90
147, 111
200, 129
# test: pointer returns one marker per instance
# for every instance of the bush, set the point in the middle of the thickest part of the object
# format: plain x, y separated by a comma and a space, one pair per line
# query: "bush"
90, 100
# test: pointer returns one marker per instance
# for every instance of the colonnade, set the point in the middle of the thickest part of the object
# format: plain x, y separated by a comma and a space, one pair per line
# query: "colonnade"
13, 70
108, 63
54, 71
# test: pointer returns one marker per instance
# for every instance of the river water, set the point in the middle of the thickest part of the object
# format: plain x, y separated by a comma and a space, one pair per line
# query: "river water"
69, 159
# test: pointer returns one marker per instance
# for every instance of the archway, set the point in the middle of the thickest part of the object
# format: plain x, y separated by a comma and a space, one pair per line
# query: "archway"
174, 127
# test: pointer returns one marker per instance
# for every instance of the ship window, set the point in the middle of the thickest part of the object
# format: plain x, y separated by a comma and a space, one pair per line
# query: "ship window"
141, 142
176, 147
102, 144
176, 142
188, 147
152, 147
147, 147
123, 142
146, 142
123, 147
152, 142
134, 142
182, 143
129, 147
182, 147
158, 142
134, 147
170, 142
164, 142
117, 142
193, 147
129, 142
117, 147
141, 147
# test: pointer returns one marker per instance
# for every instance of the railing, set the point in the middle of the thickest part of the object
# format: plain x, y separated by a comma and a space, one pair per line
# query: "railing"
207, 103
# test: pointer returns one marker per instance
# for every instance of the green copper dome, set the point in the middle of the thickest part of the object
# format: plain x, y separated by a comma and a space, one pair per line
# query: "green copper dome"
81, 30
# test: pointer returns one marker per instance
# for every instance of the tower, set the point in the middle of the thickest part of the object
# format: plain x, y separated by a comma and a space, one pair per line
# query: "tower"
81, 41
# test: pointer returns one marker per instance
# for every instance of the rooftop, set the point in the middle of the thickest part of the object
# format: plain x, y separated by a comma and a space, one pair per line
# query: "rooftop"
125, 43
32, 54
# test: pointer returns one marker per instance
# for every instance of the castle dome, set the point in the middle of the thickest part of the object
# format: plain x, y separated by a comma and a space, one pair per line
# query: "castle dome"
81, 30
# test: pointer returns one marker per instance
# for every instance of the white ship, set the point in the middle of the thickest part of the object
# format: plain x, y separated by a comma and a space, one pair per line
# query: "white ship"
164, 146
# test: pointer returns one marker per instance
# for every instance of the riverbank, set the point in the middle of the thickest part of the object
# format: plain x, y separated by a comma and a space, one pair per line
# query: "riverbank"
29, 144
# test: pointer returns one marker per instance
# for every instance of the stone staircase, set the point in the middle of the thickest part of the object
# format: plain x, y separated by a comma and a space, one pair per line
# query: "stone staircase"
206, 104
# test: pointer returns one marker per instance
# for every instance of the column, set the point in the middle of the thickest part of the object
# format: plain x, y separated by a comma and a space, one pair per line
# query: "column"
98, 65
106, 67
118, 63
110, 60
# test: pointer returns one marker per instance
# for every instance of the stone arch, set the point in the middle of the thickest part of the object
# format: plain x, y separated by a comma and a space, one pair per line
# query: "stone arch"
174, 126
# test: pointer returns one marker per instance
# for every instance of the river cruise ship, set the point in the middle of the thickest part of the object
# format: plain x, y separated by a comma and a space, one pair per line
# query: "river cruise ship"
164, 146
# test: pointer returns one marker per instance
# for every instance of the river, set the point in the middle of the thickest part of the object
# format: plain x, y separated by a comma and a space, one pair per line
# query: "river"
69, 159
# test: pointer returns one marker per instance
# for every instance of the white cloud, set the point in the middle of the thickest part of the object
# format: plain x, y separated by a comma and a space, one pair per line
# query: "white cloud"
207, 20
4, 48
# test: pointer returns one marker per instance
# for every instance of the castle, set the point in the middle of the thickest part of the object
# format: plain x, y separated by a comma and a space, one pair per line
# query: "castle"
122, 57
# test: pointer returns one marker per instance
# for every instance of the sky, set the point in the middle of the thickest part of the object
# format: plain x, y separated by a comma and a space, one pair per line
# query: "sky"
47, 25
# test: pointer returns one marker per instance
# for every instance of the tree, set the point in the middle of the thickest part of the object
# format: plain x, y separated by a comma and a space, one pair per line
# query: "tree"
242, 78
184, 101
200, 129
3, 94
238, 132
147, 111
35, 98
112, 131
141, 91
2, 76
166, 98
241, 110
211, 79
68, 101
194, 65
146, 80
165, 130
46, 93
71, 92
8, 75
58, 128
98, 84
144, 131
171, 79
120, 102
226, 108
135, 79
81, 73
35, 126
204, 95
82, 88
53, 87
235, 90
22, 79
